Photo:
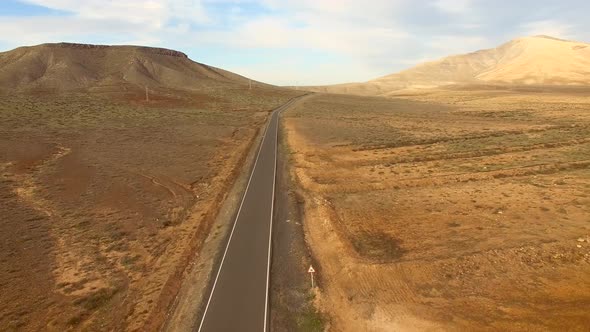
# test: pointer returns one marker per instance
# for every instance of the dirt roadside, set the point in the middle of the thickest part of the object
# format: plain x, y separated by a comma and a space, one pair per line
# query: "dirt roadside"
188, 304
291, 296
190, 301
106, 200
452, 214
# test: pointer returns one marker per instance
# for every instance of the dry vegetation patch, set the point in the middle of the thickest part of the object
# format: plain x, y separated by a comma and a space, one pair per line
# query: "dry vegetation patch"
105, 198
464, 208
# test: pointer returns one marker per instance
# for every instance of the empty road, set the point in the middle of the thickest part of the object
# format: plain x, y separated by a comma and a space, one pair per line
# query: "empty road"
239, 298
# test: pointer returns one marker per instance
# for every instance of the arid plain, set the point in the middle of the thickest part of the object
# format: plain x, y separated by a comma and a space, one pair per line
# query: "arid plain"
458, 208
452, 196
106, 197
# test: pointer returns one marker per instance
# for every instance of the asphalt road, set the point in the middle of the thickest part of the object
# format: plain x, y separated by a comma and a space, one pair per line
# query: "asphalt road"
239, 297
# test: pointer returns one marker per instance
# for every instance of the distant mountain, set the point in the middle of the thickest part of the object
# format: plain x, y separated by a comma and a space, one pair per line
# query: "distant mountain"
529, 60
66, 66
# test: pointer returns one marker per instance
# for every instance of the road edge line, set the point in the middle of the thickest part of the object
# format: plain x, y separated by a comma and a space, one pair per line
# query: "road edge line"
274, 181
279, 111
234, 226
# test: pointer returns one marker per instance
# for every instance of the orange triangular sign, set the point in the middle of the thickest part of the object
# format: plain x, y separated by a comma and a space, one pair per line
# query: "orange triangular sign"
311, 270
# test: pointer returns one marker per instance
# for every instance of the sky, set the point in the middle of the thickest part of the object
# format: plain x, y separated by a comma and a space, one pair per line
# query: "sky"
296, 42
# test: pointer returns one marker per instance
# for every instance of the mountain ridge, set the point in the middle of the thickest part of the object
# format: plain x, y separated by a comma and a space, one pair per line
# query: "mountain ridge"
527, 60
70, 66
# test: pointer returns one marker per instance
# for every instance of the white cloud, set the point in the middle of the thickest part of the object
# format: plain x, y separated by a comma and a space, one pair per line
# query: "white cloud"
291, 71
451, 45
348, 26
154, 13
368, 38
453, 6
314, 33
34, 30
373, 10
112, 22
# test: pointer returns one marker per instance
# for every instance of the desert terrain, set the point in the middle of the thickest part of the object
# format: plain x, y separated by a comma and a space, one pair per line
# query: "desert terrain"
107, 197
454, 195
456, 208
527, 60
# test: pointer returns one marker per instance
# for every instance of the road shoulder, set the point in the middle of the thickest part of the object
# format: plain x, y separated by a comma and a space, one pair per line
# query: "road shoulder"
291, 297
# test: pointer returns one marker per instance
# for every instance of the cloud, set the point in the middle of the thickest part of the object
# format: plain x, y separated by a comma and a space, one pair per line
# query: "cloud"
451, 45
312, 33
453, 6
153, 13
348, 28
365, 38
34, 30
111, 22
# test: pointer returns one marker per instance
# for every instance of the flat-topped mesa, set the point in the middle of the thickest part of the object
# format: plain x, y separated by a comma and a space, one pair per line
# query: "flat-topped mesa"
69, 66
162, 51
152, 50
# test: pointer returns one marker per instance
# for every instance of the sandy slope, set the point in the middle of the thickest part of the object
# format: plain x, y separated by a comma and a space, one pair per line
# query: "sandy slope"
529, 60
541, 60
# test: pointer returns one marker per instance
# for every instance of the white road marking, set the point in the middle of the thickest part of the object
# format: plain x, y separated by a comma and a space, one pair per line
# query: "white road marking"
271, 217
278, 112
233, 229
270, 231
286, 106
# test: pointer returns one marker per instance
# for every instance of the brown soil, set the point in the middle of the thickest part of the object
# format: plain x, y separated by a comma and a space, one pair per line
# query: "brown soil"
291, 295
456, 209
107, 198
70, 67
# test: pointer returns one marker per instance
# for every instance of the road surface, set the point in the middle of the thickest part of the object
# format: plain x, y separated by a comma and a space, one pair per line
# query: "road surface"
239, 297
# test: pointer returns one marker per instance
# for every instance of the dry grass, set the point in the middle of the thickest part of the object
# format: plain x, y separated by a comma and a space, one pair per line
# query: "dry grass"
449, 209
104, 197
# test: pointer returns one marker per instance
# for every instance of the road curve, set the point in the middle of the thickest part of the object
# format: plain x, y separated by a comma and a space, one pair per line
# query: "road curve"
239, 297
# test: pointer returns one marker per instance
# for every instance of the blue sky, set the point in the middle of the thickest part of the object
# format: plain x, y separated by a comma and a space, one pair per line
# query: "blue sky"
290, 42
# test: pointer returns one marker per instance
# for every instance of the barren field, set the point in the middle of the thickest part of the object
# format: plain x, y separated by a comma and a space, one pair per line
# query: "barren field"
105, 198
459, 209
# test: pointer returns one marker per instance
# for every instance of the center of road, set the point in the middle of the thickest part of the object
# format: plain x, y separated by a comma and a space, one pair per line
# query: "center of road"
239, 296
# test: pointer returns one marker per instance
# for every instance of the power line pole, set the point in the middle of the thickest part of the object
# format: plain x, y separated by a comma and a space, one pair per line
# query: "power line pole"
147, 95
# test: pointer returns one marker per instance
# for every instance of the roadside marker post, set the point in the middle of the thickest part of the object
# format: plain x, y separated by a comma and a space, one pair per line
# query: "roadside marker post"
311, 271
